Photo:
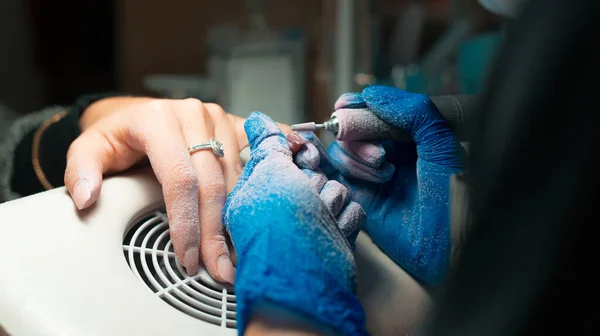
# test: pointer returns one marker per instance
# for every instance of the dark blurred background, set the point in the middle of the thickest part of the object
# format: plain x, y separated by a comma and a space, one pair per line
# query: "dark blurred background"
54, 51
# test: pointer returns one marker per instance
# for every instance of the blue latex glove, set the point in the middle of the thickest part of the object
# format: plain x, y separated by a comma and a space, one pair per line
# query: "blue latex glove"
290, 251
403, 188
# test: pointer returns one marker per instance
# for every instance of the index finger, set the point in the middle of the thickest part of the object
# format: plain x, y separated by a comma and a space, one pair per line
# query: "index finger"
168, 155
238, 124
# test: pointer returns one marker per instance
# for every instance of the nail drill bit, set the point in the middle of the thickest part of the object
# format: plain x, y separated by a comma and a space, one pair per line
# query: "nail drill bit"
331, 125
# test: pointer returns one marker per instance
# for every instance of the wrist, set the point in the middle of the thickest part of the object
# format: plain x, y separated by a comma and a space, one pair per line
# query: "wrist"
52, 147
318, 300
268, 318
104, 107
39, 158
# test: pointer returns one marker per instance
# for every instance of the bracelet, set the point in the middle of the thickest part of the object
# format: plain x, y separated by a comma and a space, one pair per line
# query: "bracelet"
36, 147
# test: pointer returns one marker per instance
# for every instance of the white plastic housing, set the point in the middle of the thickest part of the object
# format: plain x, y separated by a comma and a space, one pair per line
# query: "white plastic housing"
63, 272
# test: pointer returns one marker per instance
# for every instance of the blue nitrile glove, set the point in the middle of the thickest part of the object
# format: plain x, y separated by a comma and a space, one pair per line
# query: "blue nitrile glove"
403, 188
290, 251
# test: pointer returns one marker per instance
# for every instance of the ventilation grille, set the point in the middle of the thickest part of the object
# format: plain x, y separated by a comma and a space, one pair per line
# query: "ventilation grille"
149, 253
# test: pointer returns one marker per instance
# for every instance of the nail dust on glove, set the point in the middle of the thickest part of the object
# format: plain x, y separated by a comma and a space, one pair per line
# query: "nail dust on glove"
404, 188
282, 221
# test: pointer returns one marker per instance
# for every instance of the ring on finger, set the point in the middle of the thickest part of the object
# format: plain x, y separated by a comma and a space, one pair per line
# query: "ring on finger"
214, 144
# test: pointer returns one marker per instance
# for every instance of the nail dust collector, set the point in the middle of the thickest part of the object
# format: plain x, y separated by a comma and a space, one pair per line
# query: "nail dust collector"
111, 270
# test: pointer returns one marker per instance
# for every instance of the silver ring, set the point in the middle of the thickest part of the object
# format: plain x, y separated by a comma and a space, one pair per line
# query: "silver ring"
214, 144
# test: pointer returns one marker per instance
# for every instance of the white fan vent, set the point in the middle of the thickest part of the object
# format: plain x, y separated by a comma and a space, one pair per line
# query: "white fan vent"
149, 253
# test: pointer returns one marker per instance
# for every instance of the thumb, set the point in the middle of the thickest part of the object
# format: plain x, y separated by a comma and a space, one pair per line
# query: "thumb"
350, 100
354, 166
418, 116
91, 155
264, 136
397, 107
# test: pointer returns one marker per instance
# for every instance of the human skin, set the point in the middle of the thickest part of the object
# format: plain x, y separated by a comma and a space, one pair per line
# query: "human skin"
119, 132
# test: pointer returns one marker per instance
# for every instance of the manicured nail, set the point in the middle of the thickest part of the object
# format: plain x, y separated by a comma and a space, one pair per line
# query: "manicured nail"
295, 142
190, 261
226, 270
82, 194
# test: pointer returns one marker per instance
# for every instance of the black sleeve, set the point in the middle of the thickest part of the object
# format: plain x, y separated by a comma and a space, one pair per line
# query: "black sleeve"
528, 265
52, 151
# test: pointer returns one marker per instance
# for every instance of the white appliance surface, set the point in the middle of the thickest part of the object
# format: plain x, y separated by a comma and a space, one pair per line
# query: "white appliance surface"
64, 272
264, 83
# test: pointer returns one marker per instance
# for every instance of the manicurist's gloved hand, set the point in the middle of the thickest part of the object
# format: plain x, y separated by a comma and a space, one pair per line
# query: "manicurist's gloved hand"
403, 187
290, 252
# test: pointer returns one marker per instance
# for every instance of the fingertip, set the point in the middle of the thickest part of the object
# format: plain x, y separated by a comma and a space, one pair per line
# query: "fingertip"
259, 127
191, 260
351, 220
214, 250
82, 194
83, 181
350, 167
226, 269
218, 262
181, 200
88, 157
307, 157
350, 100
324, 161
335, 196
369, 153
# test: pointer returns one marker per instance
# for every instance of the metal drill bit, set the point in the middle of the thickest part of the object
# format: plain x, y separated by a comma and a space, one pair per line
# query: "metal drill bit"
330, 125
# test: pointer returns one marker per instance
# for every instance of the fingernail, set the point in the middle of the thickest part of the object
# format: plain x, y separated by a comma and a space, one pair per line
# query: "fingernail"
295, 141
81, 194
226, 270
190, 261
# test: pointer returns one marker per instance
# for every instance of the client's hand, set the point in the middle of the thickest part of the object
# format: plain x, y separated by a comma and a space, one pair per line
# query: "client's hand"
119, 132
291, 253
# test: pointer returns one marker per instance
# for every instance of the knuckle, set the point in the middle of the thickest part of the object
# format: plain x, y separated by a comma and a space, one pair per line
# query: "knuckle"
192, 104
216, 111
197, 108
159, 106
155, 111
218, 239
213, 191
182, 175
